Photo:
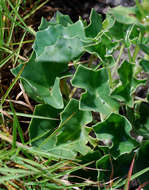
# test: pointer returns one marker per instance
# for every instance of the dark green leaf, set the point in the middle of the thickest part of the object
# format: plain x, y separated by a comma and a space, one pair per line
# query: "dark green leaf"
103, 49
120, 167
118, 31
40, 129
128, 84
144, 48
95, 25
41, 81
97, 96
73, 130
142, 122
145, 65
126, 33
142, 162
105, 168
115, 133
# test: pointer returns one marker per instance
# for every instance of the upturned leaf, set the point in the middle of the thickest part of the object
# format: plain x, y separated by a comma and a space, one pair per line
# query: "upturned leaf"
124, 15
114, 132
97, 96
137, 15
41, 81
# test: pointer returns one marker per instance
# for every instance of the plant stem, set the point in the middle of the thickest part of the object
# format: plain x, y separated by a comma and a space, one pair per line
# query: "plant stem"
137, 48
136, 51
129, 55
117, 61
110, 77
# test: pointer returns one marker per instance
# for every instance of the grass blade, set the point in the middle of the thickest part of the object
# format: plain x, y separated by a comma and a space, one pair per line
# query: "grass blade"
11, 86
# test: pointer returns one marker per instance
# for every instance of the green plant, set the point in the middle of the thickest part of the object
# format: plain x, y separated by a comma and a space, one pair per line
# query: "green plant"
68, 128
